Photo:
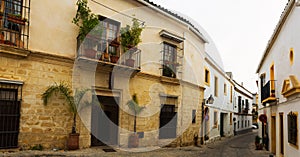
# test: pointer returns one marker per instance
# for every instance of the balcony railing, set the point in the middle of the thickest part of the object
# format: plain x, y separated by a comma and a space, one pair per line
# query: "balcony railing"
14, 23
268, 92
95, 49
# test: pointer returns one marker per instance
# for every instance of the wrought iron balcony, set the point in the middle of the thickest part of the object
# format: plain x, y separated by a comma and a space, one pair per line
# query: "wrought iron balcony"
14, 23
96, 49
268, 92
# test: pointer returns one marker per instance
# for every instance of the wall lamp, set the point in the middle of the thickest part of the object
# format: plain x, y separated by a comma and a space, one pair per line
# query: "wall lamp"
210, 100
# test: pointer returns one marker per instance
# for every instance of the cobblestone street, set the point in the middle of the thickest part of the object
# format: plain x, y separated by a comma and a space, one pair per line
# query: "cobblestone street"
241, 145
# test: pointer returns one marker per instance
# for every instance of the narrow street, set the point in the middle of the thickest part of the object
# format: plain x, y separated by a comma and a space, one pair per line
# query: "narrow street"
241, 145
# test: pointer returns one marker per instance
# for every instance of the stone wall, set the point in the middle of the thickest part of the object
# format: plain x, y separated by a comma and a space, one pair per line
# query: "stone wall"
39, 124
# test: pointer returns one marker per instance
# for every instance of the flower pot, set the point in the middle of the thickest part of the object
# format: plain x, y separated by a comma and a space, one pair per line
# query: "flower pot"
16, 19
130, 62
133, 141
106, 56
90, 53
73, 141
114, 59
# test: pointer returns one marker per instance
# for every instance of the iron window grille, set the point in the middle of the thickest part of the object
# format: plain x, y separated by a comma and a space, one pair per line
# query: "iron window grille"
193, 116
10, 104
171, 60
14, 23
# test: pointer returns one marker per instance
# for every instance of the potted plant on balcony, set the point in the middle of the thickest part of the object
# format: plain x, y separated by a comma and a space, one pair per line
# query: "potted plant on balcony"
89, 27
16, 18
73, 101
113, 57
134, 106
130, 38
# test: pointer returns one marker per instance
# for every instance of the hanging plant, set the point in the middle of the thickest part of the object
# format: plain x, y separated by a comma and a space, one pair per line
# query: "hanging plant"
131, 35
86, 20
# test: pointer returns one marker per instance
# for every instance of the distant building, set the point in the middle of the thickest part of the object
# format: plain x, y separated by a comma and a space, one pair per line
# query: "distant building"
230, 112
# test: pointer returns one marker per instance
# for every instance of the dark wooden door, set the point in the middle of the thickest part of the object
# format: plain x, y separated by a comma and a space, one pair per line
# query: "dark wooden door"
9, 118
105, 122
167, 122
222, 124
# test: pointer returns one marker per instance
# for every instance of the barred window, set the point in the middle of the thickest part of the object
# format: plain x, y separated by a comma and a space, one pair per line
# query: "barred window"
193, 116
292, 128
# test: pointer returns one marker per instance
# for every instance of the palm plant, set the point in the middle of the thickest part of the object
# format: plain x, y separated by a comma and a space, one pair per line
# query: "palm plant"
134, 106
64, 90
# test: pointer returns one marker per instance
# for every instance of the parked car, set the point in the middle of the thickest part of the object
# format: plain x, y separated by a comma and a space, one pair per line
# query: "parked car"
254, 126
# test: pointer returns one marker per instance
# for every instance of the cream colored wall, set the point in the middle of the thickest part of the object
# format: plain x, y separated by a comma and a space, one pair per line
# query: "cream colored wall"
51, 31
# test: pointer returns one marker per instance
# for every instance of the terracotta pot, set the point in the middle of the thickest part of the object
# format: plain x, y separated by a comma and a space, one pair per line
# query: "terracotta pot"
133, 141
73, 141
114, 59
15, 19
130, 62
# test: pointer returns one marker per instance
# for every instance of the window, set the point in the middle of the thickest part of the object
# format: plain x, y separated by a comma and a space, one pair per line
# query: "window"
292, 128
13, 19
231, 94
12, 8
238, 125
215, 119
207, 76
193, 116
109, 37
239, 104
291, 56
242, 126
225, 89
10, 104
262, 79
168, 122
216, 86
169, 59
247, 105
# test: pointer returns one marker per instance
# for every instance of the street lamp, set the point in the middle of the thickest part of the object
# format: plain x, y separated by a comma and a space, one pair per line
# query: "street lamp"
210, 100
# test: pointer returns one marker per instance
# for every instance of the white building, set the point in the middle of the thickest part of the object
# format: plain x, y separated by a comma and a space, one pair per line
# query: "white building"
279, 88
243, 99
218, 115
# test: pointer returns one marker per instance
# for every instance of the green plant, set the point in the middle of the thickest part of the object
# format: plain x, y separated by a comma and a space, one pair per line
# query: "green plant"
136, 108
131, 35
85, 20
206, 137
257, 139
73, 101
37, 147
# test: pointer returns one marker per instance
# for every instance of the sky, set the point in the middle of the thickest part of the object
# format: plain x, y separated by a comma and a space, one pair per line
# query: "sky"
240, 29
